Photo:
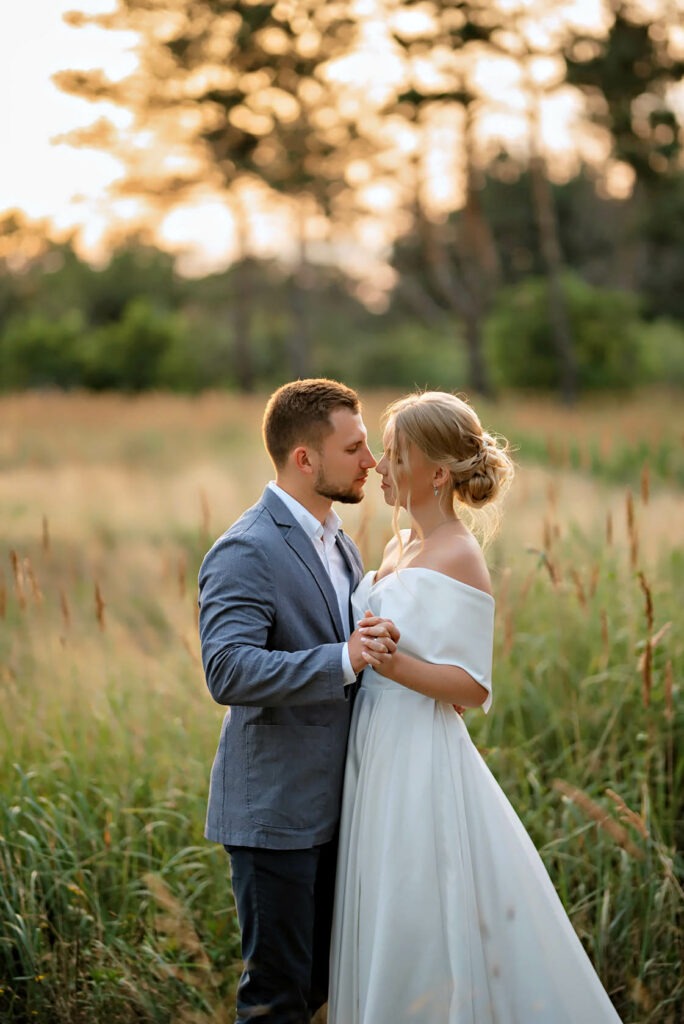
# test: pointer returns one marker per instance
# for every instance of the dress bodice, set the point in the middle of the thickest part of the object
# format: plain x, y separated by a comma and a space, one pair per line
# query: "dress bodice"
441, 620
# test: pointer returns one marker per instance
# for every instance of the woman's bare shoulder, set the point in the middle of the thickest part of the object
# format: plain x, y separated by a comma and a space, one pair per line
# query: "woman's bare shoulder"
462, 559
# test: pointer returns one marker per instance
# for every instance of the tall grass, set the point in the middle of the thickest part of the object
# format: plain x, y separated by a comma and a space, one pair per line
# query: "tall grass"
112, 906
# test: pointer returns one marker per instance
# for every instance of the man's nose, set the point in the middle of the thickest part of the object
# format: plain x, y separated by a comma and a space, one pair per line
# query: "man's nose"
368, 459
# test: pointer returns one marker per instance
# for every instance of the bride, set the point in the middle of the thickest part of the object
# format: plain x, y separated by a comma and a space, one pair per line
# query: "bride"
444, 912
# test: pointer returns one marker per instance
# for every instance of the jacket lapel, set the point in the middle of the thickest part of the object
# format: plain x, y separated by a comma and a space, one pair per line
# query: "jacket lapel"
352, 560
303, 547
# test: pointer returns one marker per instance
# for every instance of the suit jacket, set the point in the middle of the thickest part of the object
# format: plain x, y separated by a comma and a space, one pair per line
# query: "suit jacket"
272, 642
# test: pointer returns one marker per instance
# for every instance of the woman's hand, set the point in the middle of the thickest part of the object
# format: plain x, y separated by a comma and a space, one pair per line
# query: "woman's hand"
379, 638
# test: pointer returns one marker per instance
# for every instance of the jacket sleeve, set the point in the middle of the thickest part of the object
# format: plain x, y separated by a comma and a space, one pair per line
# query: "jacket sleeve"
237, 601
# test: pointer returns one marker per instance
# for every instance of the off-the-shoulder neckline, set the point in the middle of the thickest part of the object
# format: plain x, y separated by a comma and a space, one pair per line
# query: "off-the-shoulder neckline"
433, 572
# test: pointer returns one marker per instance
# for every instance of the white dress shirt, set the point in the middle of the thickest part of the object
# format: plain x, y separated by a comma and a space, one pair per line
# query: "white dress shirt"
323, 537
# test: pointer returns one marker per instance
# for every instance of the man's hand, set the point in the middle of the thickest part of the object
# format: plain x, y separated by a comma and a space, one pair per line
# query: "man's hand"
373, 636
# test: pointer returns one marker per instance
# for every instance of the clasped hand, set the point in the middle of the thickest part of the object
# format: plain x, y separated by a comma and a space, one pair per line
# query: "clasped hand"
373, 643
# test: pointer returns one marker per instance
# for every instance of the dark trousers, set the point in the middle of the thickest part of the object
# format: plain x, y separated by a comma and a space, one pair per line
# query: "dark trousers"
284, 901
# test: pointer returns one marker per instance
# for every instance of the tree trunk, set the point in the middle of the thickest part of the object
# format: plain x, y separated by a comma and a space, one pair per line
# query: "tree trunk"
552, 257
243, 363
478, 377
467, 288
299, 341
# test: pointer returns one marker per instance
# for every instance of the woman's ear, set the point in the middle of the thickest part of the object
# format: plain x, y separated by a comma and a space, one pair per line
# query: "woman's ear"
440, 476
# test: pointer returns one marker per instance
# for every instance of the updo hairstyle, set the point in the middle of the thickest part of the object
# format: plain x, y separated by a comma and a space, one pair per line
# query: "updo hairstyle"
448, 432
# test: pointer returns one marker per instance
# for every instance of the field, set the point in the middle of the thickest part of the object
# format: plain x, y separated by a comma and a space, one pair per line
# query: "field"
112, 906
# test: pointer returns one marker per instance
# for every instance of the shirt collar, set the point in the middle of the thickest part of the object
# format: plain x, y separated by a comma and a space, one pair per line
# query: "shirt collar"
308, 522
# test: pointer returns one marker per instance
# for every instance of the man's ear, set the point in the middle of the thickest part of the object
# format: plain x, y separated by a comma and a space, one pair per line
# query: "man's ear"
301, 460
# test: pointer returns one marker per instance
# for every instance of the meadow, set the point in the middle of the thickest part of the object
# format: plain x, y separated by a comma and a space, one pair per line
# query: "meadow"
112, 906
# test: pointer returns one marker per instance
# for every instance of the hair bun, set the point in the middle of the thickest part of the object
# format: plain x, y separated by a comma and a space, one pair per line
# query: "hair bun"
490, 473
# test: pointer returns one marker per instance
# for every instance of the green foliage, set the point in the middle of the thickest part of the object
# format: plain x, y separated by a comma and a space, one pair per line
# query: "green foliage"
605, 326
400, 355
144, 349
663, 347
36, 351
132, 326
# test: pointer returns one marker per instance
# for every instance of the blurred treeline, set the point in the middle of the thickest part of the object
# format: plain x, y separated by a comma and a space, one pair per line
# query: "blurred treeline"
556, 281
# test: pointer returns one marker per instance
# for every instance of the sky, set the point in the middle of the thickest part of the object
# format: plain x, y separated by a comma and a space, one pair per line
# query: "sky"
38, 177
69, 185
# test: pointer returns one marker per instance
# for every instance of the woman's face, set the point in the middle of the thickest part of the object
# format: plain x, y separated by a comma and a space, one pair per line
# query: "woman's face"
405, 472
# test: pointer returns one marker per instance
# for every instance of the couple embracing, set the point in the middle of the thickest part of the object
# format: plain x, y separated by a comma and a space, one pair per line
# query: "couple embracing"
376, 864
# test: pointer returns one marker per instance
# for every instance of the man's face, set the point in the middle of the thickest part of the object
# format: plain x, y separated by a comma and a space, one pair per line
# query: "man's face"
342, 464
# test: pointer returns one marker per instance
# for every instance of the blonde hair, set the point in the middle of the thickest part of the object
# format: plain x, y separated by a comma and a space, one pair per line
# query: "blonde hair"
447, 430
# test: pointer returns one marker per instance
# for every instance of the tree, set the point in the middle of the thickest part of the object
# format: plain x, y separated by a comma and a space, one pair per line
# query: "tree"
460, 254
237, 91
628, 76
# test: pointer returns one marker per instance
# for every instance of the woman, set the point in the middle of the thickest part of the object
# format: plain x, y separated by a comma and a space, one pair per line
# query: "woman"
444, 912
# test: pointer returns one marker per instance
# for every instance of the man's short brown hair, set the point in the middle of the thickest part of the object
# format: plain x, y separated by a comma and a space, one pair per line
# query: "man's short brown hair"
299, 413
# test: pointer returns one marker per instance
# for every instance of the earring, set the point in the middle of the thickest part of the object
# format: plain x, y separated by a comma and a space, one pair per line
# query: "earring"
436, 490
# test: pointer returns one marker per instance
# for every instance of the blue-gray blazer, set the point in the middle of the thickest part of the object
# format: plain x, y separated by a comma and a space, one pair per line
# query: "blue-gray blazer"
272, 642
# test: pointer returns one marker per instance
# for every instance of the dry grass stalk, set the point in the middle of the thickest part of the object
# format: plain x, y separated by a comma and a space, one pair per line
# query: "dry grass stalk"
646, 659
18, 579
189, 648
31, 577
614, 829
645, 483
99, 607
632, 531
648, 594
669, 682
46, 536
609, 529
641, 996
548, 564
3, 597
579, 587
663, 631
646, 669
174, 924
547, 536
594, 578
205, 512
552, 570
182, 574
627, 815
64, 607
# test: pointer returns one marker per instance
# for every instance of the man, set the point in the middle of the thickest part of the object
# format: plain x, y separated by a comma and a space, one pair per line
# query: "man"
277, 646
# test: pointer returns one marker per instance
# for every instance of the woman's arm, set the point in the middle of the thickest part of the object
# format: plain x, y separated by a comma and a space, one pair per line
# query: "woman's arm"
448, 683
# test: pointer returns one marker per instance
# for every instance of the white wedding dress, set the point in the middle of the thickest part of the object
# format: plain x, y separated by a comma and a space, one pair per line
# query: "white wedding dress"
444, 912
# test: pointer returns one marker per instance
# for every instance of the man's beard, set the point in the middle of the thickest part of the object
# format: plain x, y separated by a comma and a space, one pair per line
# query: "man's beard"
328, 490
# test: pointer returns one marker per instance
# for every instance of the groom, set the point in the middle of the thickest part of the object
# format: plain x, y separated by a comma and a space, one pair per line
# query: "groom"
277, 646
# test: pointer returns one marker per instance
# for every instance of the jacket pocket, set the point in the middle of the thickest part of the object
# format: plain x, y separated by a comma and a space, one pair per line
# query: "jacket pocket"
289, 782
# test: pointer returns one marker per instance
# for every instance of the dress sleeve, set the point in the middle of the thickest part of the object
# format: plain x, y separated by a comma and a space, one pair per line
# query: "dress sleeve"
446, 622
